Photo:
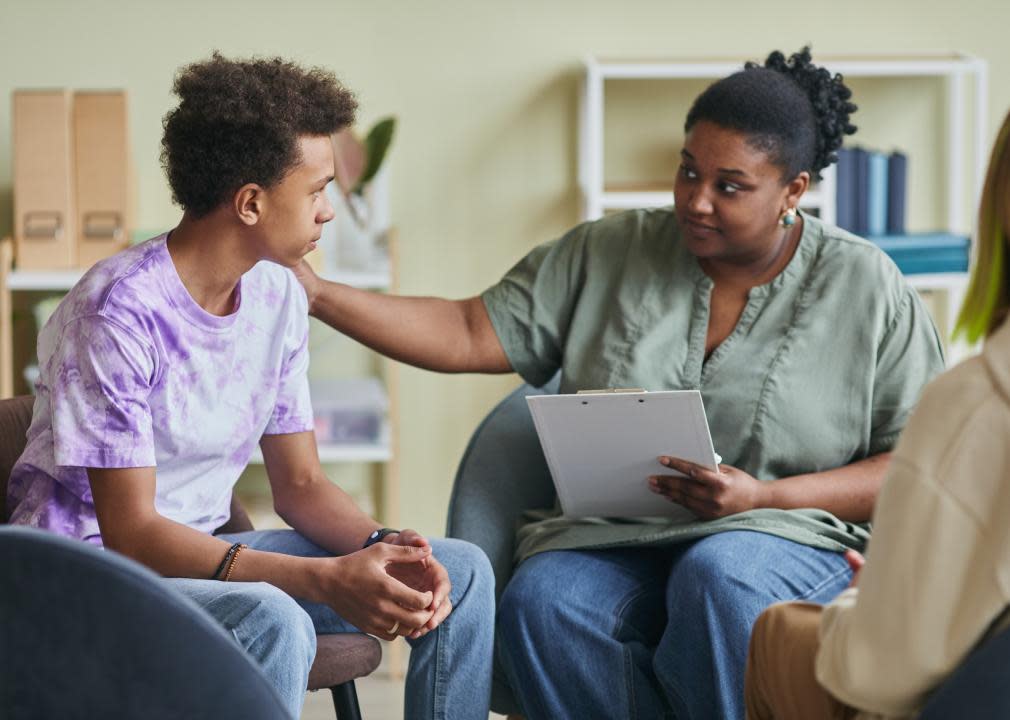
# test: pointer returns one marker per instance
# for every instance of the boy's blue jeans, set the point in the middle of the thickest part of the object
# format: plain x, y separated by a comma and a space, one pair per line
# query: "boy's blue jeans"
450, 669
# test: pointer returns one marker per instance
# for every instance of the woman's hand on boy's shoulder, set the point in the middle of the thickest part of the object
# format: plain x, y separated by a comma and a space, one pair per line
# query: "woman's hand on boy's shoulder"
309, 280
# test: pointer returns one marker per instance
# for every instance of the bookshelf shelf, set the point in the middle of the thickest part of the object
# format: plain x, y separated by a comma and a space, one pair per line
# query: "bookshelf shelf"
63, 280
965, 141
377, 452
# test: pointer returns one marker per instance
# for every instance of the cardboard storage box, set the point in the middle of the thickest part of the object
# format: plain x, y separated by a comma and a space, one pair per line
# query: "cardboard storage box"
102, 175
45, 233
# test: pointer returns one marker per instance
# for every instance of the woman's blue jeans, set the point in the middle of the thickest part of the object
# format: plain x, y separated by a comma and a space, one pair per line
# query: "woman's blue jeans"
650, 633
450, 669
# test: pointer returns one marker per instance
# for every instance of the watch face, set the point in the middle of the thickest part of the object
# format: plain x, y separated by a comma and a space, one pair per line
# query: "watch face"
378, 535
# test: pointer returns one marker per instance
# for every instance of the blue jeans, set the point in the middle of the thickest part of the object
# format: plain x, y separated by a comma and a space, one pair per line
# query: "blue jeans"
650, 633
449, 675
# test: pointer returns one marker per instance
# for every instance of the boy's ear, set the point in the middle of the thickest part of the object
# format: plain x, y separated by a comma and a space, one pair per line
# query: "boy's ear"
248, 203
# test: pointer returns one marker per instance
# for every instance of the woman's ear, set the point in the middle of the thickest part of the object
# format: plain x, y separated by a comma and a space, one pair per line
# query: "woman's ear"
248, 203
796, 187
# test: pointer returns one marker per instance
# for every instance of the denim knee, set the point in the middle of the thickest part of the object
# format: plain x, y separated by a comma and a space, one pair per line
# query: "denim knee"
274, 621
528, 603
469, 571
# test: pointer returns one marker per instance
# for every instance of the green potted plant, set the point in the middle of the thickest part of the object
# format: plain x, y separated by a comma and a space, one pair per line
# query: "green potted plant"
356, 164
356, 238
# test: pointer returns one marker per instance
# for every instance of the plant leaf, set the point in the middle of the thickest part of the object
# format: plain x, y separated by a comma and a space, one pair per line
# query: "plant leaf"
376, 146
349, 160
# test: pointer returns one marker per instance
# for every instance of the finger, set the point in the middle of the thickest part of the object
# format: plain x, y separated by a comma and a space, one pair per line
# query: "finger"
680, 490
412, 537
441, 585
402, 553
407, 597
441, 614
693, 470
400, 593
855, 560
405, 619
681, 466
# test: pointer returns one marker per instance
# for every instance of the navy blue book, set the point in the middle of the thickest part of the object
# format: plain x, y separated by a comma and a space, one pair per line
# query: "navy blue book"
861, 222
926, 252
845, 190
897, 192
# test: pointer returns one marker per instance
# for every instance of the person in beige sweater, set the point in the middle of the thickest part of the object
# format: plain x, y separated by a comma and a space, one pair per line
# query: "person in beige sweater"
936, 582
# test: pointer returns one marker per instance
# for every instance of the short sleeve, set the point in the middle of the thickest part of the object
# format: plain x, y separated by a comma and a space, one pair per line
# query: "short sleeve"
293, 406
909, 356
101, 375
531, 307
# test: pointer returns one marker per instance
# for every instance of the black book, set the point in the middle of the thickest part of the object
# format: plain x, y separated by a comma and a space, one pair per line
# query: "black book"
845, 190
897, 192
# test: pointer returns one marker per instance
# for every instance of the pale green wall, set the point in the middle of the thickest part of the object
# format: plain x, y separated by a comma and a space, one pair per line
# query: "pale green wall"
484, 165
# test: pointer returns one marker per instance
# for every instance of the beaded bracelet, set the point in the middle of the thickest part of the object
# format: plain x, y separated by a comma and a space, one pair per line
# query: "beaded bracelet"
224, 563
234, 559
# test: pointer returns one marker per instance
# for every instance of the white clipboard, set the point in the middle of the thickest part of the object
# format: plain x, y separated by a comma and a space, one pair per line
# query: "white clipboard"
602, 447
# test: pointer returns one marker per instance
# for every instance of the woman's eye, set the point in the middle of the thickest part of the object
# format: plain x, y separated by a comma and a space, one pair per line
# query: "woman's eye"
688, 172
729, 189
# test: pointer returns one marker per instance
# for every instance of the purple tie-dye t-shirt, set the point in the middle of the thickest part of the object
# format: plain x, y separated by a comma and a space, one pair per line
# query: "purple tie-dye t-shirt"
135, 374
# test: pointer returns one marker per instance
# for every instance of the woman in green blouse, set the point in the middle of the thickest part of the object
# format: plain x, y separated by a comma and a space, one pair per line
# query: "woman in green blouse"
807, 345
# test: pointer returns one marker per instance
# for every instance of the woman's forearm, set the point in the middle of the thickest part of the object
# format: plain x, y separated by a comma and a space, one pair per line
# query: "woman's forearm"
848, 492
431, 333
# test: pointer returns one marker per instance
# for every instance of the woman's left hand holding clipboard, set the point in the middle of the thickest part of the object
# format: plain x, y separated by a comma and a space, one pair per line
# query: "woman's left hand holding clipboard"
709, 494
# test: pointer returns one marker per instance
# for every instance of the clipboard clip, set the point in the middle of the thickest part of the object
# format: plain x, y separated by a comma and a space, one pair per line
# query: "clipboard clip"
610, 391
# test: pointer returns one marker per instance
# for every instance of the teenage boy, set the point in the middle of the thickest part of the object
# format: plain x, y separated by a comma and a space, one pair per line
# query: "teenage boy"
167, 363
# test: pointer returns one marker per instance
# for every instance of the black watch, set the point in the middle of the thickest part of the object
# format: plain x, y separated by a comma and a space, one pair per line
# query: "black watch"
377, 536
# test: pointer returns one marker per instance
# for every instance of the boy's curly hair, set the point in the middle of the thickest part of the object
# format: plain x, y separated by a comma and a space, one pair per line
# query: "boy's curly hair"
239, 121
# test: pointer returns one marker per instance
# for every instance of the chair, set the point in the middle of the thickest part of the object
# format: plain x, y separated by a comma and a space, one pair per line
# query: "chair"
502, 474
980, 687
89, 633
339, 658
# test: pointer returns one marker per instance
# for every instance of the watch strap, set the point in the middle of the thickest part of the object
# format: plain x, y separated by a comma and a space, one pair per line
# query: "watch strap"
377, 536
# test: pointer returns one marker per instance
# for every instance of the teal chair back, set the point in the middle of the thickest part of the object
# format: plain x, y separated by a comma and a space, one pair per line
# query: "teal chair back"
502, 474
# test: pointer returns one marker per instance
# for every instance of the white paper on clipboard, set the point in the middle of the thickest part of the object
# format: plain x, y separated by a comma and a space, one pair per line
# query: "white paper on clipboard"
602, 447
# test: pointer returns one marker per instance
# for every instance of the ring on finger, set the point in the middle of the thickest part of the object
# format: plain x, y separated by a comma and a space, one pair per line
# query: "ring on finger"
392, 630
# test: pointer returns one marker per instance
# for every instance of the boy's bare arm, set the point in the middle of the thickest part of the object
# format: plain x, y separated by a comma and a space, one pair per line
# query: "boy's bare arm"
356, 586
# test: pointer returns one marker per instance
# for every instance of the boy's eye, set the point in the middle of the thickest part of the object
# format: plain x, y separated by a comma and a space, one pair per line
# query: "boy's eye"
688, 172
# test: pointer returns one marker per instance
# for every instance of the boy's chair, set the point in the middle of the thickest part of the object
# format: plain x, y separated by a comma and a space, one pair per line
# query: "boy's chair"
503, 473
93, 630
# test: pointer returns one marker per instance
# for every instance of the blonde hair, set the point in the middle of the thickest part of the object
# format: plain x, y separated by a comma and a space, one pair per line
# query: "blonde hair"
988, 297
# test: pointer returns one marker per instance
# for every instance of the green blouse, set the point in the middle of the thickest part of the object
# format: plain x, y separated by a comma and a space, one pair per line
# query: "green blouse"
823, 368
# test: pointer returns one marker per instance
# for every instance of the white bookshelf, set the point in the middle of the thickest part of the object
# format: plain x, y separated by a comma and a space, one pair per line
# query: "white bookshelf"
965, 146
963, 139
